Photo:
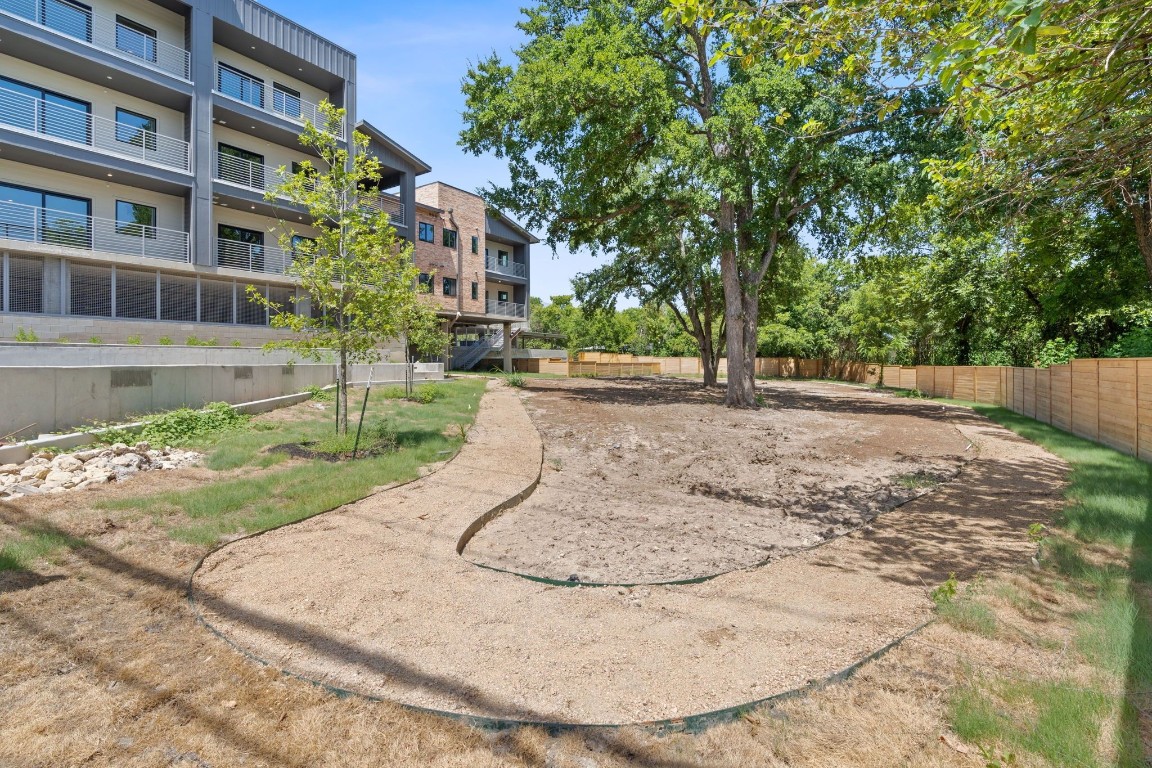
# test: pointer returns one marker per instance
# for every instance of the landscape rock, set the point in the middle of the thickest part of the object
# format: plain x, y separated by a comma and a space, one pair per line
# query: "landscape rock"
67, 463
49, 473
9, 469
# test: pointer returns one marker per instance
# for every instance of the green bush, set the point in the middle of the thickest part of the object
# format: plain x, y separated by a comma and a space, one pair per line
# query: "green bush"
515, 380
165, 341
134, 340
236, 343
426, 393
1135, 343
95, 340
393, 393
29, 335
184, 424
1055, 352
318, 392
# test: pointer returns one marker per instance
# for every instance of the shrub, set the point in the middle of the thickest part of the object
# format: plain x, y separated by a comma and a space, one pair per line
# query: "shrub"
134, 340
236, 343
392, 393
29, 335
1135, 343
426, 393
165, 341
515, 380
192, 341
1055, 352
183, 424
318, 392
95, 340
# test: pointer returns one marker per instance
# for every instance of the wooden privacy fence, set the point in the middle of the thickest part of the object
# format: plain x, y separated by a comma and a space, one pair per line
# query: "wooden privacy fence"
1108, 401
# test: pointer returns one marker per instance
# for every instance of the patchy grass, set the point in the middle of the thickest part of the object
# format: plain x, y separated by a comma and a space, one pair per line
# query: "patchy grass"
32, 543
254, 501
1100, 555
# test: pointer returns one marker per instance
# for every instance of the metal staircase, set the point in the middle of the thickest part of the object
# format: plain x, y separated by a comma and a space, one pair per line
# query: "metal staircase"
465, 358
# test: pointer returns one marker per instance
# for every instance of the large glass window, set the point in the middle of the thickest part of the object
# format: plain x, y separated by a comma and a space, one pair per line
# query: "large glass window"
73, 19
135, 39
450, 238
449, 286
241, 166
427, 232
35, 109
286, 101
502, 258
47, 217
232, 82
136, 129
135, 219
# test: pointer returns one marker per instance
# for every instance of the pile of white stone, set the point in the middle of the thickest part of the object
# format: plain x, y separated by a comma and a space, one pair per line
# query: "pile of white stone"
49, 473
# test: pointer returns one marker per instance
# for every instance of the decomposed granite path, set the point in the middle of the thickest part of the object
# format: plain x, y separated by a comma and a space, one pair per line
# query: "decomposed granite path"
374, 598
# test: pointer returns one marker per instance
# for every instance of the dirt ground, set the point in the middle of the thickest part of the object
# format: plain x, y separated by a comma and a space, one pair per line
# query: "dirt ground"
102, 662
651, 481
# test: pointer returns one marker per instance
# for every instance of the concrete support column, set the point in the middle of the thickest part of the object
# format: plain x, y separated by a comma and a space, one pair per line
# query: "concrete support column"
507, 347
204, 76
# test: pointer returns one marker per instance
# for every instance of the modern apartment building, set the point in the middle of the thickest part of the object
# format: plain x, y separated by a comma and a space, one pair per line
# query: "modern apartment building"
137, 139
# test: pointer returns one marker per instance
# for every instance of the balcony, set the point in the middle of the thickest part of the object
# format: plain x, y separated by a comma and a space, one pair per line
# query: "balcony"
505, 309
259, 178
390, 205
28, 114
252, 257
78, 22
66, 229
513, 268
234, 85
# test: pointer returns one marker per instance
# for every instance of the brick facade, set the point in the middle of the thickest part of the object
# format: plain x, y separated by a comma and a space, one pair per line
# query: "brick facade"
441, 205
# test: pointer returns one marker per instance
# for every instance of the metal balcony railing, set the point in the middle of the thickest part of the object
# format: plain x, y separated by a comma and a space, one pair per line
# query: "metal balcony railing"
492, 264
65, 229
234, 85
32, 115
390, 205
252, 257
505, 309
246, 173
77, 21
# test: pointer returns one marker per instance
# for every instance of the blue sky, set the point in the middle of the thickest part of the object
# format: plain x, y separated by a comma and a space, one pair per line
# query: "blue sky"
411, 58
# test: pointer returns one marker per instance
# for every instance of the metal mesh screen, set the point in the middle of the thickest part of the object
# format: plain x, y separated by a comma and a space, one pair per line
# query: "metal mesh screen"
248, 312
25, 284
216, 301
90, 290
281, 297
135, 294
178, 298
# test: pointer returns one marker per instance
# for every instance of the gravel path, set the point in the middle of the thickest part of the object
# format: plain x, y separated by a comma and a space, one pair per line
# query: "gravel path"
373, 596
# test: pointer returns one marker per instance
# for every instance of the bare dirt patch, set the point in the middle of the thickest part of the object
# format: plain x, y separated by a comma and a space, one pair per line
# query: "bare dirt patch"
655, 480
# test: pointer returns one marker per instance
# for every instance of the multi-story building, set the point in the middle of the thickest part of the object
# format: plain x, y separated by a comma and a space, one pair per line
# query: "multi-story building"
137, 140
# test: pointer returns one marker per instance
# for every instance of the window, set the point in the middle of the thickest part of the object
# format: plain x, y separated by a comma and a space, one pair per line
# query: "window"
35, 109
45, 217
239, 248
449, 238
135, 219
136, 39
240, 166
427, 232
235, 83
449, 286
475, 246
286, 101
475, 290
425, 281
302, 245
502, 258
501, 295
136, 129
73, 19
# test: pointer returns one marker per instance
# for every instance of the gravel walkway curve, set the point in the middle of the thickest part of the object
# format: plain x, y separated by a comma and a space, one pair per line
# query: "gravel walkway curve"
373, 597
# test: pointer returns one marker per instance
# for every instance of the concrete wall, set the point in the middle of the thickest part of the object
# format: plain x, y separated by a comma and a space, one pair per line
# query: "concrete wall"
79, 329
39, 400
23, 355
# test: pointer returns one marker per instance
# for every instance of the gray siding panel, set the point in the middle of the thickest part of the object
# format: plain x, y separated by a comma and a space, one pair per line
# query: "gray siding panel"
287, 35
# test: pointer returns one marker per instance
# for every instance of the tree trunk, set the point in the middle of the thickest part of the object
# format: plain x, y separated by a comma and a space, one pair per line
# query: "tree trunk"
342, 393
740, 312
1141, 211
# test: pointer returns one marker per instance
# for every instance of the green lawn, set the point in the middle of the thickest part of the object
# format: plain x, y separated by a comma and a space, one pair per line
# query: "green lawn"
1065, 722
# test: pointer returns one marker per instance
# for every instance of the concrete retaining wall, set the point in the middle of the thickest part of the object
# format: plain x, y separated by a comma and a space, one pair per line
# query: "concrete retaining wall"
39, 400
